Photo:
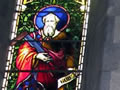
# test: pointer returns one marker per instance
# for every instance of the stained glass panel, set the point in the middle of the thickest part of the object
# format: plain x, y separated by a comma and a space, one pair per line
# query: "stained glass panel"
47, 45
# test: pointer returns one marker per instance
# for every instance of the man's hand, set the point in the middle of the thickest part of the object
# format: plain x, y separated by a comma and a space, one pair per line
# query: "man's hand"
44, 57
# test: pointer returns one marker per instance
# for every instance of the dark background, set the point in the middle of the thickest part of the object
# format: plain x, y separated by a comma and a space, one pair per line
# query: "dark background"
102, 64
6, 15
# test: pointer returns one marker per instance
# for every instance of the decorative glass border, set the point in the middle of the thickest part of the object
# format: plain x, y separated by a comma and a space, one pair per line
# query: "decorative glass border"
83, 43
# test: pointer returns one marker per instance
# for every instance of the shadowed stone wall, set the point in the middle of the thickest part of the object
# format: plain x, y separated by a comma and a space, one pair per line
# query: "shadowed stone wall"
6, 15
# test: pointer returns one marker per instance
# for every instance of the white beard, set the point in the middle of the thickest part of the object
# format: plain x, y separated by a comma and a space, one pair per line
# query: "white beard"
48, 31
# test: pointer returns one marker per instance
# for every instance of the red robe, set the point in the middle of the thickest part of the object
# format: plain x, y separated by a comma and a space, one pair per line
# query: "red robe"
24, 61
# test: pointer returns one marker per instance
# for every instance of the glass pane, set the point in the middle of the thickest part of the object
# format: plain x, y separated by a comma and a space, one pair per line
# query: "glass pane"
47, 45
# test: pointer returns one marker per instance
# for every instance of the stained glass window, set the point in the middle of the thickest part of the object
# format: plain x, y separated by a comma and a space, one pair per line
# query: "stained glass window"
47, 46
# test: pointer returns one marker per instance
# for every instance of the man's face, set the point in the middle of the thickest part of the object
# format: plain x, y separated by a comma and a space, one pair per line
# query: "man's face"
50, 22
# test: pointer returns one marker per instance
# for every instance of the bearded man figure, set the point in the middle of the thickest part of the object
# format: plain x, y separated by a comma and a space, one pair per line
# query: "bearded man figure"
50, 25
49, 30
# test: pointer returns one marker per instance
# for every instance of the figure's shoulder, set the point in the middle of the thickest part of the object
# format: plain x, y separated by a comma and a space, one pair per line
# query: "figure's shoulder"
61, 35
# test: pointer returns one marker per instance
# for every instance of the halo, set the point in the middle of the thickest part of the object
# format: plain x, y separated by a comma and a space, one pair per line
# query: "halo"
59, 11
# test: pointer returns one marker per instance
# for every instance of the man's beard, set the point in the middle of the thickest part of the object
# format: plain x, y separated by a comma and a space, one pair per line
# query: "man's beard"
48, 31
